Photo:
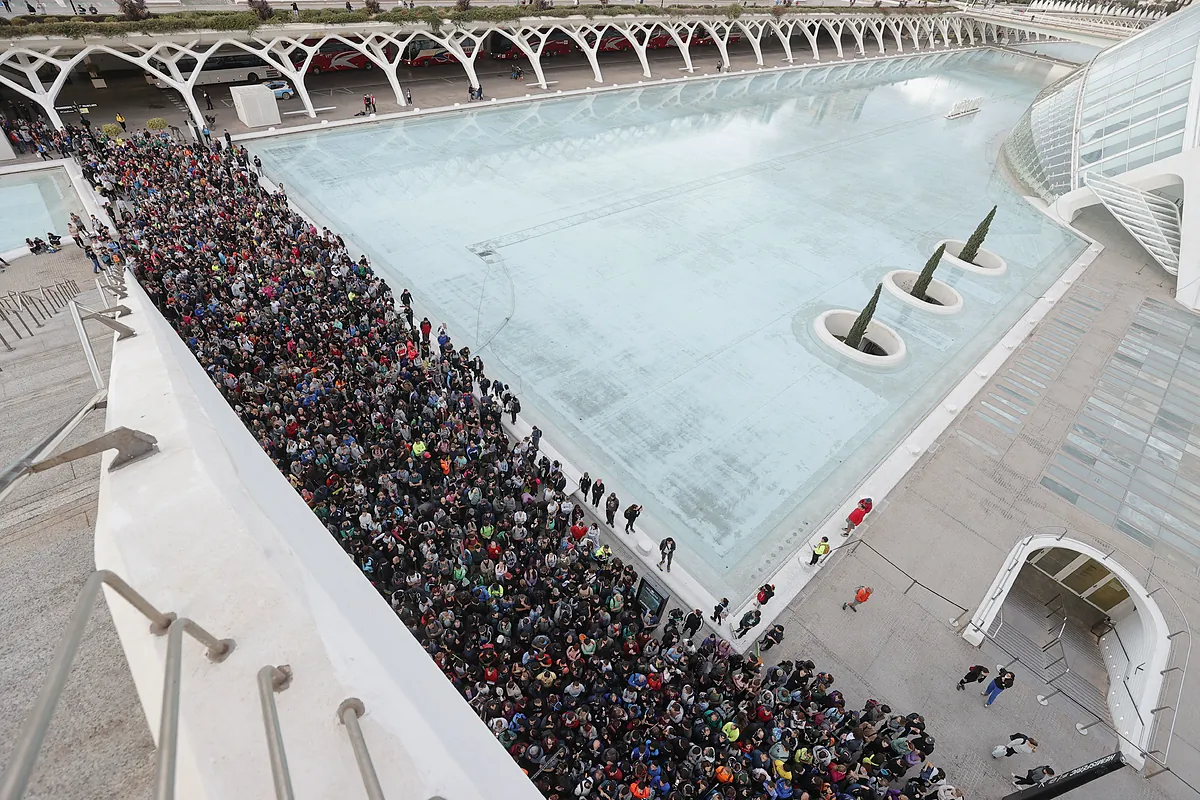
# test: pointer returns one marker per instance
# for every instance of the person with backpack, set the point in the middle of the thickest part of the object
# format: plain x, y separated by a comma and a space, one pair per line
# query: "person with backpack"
514, 408
857, 515
1017, 743
771, 638
976, 674
820, 549
765, 593
1035, 777
631, 515
861, 595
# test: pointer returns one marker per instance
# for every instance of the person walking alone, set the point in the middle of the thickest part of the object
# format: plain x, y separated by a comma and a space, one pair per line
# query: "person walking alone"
585, 485
514, 408
1003, 680
719, 610
765, 593
208, 106
610, 509
749, 620
771, 638
1035, 777
597, 492
692, 623
631, 515
121, 122
1017, 743
975, 674
666, 549
861, 595
857, 515
820, 550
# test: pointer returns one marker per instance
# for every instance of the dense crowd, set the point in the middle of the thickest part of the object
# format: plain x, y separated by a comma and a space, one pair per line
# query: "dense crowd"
393, 436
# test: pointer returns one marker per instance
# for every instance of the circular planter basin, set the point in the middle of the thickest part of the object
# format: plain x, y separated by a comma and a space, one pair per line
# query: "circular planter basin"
986, 262
837, 323
899, 282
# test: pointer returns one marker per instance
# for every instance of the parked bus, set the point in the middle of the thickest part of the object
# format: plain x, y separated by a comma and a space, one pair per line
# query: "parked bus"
500, 46
614, 41
336, 55
221, 68
422, 52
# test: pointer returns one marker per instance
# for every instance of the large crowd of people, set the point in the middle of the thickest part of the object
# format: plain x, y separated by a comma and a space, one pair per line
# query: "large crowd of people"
393, 436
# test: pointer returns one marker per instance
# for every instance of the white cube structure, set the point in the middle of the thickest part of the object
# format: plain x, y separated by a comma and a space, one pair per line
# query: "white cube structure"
255, 105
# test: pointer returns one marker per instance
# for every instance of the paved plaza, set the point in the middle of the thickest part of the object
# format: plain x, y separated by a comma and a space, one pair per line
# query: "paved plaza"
98, 745
950, 524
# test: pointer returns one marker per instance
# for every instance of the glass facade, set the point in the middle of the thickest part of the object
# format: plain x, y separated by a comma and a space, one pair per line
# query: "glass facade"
1126, 109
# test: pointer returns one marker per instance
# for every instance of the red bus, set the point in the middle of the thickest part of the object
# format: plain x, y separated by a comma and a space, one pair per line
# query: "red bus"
615, 42
334, 56
500, 46
422, 52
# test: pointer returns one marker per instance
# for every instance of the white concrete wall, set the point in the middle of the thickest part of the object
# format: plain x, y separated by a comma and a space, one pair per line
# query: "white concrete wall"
210, 529
1122, 660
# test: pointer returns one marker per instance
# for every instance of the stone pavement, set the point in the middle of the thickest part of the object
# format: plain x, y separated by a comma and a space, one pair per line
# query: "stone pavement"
99, 745
949, 525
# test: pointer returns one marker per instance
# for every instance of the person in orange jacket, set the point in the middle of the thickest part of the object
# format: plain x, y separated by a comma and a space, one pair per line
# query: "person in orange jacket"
861, 595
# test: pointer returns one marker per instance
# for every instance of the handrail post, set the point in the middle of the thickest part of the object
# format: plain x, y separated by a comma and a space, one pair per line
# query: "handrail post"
272, 680
348, 712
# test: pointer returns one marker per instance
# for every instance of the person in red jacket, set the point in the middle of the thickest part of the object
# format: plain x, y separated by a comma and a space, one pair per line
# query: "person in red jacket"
857, 515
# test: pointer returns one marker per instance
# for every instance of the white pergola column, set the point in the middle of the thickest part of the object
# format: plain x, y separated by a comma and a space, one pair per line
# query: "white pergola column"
530, 41
810, 33
722, 39
754, 31
683, 43
876, 28
578, 36
28, 62
897, 34
835, 33
169, 55
638, 35
454, 43
374, 47
783, 32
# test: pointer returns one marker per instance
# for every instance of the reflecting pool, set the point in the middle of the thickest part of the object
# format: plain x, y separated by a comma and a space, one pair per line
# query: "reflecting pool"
644, 266
32, 203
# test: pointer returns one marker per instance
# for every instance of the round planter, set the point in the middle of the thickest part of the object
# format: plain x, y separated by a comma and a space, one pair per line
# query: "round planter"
899, 282
832, 324
986, 262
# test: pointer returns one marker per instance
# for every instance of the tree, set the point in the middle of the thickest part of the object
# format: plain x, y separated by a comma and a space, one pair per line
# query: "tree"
926, 276
372, 6
133, 9
971, 248
262, 9
859, 328
156, 124
111, 130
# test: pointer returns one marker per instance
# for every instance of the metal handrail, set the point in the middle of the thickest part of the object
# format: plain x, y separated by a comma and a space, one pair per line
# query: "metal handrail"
348, 712
33, 731
12, 475
271, 680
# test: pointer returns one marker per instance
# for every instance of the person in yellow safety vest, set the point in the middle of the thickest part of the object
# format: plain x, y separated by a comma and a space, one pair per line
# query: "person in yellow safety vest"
731, 731
602, 553
819, 549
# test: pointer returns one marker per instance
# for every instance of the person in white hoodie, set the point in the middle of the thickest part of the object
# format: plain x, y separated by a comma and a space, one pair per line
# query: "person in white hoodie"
1017, 743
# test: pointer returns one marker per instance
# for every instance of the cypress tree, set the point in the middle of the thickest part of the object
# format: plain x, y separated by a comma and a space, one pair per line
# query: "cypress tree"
926, 276
971, 248
859, 328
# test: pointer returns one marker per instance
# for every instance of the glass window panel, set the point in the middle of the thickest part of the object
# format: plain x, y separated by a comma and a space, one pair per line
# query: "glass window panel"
1109, 595
1056, 560
1086, 575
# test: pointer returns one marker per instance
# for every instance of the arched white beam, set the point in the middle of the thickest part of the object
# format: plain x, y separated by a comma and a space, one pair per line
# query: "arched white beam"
876, 29
835, 31
457, 42
720, 34
684, 43
531, 42
1156, 641
279, 53
783, 32
638, 35
374, 47
897, 33
754, 31
579, 36
169, 54
28, 63
811, 29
